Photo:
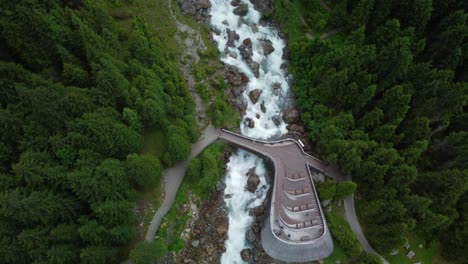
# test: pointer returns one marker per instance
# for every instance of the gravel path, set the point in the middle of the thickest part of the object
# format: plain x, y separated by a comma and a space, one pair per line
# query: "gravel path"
173, 178
351, 217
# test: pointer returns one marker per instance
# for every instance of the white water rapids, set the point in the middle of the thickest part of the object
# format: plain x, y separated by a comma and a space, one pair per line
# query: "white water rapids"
270, 74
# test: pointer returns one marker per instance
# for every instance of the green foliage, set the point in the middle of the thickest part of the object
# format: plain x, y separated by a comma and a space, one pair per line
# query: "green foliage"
327, 189
343, 235
144, 171
203, 174
78, 91
344, 189
385, 103
204, 171
148, 252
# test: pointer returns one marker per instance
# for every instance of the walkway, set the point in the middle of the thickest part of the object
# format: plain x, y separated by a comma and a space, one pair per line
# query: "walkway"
173, 178
295, 229
296, 223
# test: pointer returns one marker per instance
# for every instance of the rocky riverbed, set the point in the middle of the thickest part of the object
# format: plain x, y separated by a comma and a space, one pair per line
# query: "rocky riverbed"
206, 233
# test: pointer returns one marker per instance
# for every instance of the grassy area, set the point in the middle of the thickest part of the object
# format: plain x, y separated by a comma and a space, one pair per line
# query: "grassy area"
338, 255
429, 253
203, 174
150, 11
290, 19
154, 143
152, 201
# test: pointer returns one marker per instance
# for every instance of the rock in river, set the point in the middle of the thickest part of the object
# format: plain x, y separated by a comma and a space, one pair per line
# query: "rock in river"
254, 95
253, 181
241, 10
267, 47
291, 115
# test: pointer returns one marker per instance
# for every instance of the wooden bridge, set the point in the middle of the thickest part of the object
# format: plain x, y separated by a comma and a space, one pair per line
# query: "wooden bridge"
295, 229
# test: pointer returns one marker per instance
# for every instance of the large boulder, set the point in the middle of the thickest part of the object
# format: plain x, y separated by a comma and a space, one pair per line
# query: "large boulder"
265, 7
258, 211
267, 47
247, 42
234, 77
232, 36
254, 95
222, 229
246, 52
249, 122
245, 254
253, 181
291, 115
276, 120
235, 2
250, 236
255, 66
202, 4
241, 10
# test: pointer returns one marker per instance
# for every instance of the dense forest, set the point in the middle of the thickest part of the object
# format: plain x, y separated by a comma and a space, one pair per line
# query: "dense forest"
77, 93
386, 101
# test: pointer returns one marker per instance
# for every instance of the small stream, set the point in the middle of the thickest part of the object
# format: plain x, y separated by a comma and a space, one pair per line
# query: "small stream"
250, 50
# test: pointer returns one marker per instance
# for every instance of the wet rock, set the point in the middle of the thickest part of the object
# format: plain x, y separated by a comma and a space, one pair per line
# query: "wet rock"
254, 95
276, 120
232, 36
228, 196
262, 107
244, 78
254, 28
285, 54
249, 122
246, 53
250, 236
258, 211
245, 254
265, 7
255, 66
256, 228
291, 115
235, 2
202, 4
284, 66
241, 10
247, 42
296, 128
253, 181
215, 30
267, 47
240, 104
220, 186
233, 54
233, 76
195, 243
222, 229
276, 86
257, 116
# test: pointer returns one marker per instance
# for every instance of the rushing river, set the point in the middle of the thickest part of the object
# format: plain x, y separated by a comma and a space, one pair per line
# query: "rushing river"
265, 113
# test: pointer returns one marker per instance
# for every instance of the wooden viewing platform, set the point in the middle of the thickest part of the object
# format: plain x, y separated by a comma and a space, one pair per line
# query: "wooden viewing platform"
294, 229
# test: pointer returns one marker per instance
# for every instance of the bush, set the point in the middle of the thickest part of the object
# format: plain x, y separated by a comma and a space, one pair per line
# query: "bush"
327, 189
344, 189
366, 258
148, 252
144, 171
342, 233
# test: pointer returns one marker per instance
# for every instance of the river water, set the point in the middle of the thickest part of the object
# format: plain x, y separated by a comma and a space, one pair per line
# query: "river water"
268, 124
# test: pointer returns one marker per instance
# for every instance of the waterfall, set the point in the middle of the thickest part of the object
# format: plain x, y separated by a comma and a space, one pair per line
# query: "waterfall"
250, 50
